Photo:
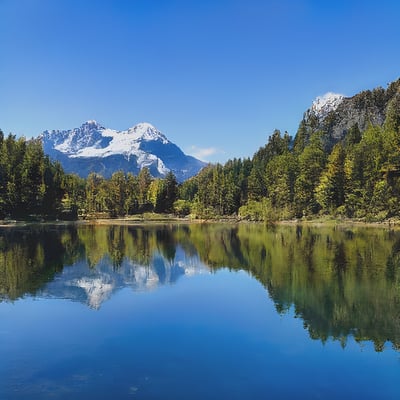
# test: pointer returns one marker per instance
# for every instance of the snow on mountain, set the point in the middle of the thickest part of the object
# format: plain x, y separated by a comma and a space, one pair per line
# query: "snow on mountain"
94, 148
93, 140
323, 105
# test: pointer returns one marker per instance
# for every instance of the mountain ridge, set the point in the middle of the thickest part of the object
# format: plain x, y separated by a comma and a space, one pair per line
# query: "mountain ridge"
95, 148
335, 117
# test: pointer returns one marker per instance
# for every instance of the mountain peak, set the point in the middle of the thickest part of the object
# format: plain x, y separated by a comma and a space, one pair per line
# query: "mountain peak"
94, 148
145, 126
326, 103
146, 131
91, 124
334, 115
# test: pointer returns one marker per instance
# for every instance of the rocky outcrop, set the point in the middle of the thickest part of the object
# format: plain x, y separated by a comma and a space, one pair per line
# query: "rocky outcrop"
365, 108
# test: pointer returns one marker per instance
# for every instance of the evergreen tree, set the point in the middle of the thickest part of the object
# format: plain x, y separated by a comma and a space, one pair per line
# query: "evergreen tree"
330, 193
132, 194
170, 191
32, 188
144, 181
116, 194
392, 121
74, 192
156, 195
311, 164
353, 136
95, 201
280, 177
301, 138
53, 178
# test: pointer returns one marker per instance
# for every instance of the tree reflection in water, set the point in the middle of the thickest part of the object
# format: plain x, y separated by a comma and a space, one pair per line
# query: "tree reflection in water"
341, 282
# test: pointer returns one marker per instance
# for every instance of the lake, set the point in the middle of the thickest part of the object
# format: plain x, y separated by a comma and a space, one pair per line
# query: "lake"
199, 311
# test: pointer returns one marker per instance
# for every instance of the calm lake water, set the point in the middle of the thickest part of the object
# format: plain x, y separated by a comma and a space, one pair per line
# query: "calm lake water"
199, 312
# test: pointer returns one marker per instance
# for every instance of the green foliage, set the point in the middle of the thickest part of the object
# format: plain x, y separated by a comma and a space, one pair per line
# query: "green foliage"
331, 189
357, 176
257, 211
144, 181
170, 192
132, 195
301, 139
392, 121
116, 194
74, 195
123, 195
188, 189
156, 194
353, 136
311, 164
182, 207
30, 184
280, 177
95, 194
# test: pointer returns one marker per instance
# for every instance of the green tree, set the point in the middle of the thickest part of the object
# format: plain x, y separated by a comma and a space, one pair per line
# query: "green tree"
32, 177
280, 177
74, 194
170, 191
53, 178
392, 120
311, 164
95, 201
116, 194
144, 181
132, 194
353, 136
156, 194
330, 193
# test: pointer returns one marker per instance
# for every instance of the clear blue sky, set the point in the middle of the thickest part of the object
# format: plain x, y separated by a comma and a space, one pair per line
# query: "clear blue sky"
215, 76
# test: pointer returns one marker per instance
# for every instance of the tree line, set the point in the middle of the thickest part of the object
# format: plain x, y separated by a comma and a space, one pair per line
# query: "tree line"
33, 186
30, 184
310, 175
355, 177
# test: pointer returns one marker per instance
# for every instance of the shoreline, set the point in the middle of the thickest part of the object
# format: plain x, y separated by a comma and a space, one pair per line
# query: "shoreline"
165, 219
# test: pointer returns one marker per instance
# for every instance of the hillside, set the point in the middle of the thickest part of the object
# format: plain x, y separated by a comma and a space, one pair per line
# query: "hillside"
335, 114
344, 161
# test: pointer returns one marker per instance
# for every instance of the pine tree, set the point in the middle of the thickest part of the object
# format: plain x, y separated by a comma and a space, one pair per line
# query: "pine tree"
171, 191
311, 164
330, 193
144, 180
132, 194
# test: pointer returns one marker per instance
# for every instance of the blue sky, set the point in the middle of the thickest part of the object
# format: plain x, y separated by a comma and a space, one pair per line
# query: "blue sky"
215, 76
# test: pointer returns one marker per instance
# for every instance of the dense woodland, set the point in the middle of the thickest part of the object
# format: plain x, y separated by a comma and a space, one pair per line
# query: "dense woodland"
30, 184
309, 175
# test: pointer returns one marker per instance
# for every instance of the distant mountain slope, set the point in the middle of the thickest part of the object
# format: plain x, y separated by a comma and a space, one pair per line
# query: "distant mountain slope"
94, 148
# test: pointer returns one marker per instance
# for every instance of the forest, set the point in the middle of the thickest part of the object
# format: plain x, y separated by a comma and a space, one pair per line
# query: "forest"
308, 176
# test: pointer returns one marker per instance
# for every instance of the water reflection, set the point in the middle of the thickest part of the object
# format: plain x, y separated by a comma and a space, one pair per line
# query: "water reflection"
340, 282
88, 263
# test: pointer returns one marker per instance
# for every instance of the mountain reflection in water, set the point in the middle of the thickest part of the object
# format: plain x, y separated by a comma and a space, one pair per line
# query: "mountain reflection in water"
341, 282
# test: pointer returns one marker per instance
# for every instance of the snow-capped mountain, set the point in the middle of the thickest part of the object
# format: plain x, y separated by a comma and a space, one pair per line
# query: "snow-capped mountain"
325, 104
334, 114
94, 148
